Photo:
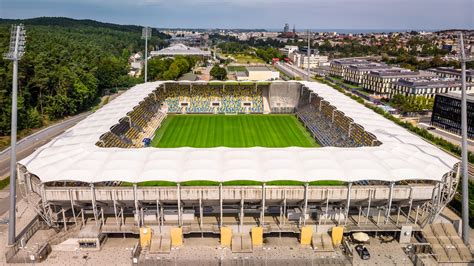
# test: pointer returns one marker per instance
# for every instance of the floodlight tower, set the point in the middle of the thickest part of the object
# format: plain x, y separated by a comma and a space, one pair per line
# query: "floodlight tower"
465, 182
146, 33
309, 55
16, 51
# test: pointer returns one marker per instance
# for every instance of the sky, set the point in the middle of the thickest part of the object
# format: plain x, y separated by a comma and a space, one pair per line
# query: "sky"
251, 14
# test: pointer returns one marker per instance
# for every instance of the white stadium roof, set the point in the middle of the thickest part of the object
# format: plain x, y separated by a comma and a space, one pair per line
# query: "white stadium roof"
180, 49
74, 156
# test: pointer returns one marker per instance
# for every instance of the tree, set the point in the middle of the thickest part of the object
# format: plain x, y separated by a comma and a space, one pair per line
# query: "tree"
218, 73
66, 69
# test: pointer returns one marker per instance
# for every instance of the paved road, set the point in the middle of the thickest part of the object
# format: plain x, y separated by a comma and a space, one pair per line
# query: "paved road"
455, 139
291, 70
29, 144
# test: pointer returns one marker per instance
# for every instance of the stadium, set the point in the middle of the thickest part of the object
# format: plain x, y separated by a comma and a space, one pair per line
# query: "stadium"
249, 158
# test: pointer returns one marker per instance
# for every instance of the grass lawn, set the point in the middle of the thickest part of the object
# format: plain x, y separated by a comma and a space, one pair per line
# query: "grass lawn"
245, 58
236, 68
236, 131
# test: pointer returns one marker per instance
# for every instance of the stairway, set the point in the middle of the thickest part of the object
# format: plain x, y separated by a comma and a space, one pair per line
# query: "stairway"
266, 101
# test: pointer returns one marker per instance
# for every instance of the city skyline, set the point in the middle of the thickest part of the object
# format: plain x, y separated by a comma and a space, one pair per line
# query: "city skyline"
262, 14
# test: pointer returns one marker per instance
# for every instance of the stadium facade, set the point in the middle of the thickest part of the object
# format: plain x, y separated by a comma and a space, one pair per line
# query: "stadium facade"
92, 175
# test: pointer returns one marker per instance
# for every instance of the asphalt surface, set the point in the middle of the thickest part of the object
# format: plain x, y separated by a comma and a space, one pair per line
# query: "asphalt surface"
29, 144
455, 139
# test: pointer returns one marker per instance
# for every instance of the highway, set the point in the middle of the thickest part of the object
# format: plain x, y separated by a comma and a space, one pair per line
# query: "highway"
291, 71
29, 144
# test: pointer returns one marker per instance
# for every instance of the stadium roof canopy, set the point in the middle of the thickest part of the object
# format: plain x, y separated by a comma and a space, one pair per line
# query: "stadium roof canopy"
74, 155
180, 49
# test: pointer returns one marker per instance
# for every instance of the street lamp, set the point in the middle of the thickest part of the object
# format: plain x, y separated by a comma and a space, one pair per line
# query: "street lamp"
146, 33
465, 183
16, 51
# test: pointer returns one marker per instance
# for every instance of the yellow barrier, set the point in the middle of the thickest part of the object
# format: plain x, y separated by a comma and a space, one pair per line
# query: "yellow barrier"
257, 236
337, 233
226, 236
176, 237
145, 237
306, 235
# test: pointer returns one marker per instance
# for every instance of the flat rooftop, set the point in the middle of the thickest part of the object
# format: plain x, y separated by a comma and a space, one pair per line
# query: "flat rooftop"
457, 95
452, 71
431, 82
259, 68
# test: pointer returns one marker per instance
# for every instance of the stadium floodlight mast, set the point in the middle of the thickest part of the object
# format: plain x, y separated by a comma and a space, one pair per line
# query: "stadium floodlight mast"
465, 183
15, 52
146, 34
309, 55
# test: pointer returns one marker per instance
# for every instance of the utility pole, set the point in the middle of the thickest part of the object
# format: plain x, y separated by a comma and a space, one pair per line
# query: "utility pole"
465, 177
16, 51
309, 55
146, 33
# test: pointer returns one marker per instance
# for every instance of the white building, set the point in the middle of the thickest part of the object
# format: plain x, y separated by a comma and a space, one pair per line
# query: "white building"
180, 49
301, 60
288, 49
258, 73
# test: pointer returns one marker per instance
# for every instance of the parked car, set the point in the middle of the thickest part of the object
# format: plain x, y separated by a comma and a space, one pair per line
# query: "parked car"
430, 128
363, 252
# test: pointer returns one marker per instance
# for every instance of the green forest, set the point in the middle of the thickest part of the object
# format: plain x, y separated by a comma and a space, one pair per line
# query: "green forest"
67, 66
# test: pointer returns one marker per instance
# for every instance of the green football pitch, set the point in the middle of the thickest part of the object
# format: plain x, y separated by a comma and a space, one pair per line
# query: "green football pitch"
236, 131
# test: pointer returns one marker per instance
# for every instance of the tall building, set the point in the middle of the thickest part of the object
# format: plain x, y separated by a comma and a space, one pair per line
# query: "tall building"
286, 28
447, 113
301, 60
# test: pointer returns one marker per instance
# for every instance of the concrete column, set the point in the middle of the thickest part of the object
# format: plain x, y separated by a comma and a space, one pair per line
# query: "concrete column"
158, 211
220, 205
94, 204
284, 207
114, 195
83, 218
64, 220
262, 214
72, 207
348, 203
102, 215
305, 207
327, 205
416, 215
378, 215
398, 214
179, 205
390, 198
123, 218
200, 211
241, 214
135, 200
409, 210
368, 206
410, 200
28, 182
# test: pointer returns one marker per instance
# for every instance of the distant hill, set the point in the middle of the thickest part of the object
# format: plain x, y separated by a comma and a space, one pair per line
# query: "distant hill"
69, 22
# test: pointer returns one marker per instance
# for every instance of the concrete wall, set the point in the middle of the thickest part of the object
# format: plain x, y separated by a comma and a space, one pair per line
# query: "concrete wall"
236, 193
284, 93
